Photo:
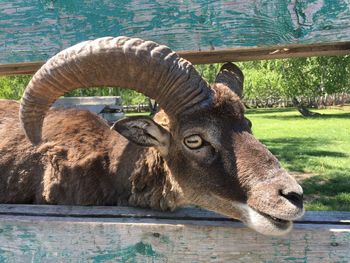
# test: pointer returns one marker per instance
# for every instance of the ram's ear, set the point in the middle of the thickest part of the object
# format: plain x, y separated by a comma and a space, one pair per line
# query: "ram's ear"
231, 76
143, 131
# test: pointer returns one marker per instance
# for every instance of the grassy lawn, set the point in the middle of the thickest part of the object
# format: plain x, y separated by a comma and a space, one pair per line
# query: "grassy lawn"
128, 114
316, 150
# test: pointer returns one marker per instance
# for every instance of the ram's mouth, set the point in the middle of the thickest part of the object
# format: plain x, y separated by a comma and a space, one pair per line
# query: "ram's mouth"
278, 222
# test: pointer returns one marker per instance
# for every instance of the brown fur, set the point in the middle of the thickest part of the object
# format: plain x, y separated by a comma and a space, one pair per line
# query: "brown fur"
81, 162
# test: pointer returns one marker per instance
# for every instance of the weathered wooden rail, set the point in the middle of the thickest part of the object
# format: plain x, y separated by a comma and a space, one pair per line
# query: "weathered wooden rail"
118, 234
217, 56
202, 31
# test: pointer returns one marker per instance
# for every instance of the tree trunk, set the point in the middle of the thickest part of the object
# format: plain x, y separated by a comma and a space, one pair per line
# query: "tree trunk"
303, 110
153, 106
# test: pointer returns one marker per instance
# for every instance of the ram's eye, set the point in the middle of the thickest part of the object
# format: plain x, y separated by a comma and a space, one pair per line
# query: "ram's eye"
193, 141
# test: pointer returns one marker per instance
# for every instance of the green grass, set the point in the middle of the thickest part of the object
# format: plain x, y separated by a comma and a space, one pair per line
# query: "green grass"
315, 149
129, 114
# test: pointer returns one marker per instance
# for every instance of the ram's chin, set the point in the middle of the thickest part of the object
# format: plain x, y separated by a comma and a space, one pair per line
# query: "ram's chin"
267, 225
264, 223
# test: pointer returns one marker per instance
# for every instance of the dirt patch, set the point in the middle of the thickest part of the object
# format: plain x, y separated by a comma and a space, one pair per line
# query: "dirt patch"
312, 197
300, 177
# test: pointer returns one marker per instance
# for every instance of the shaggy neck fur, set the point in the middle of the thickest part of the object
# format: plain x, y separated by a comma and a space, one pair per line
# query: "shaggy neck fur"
152, 184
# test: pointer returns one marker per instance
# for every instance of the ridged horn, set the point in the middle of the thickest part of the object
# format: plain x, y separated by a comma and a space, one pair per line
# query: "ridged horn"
144, 66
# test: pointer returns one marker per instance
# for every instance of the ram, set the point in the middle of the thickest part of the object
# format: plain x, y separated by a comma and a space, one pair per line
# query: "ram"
198, 150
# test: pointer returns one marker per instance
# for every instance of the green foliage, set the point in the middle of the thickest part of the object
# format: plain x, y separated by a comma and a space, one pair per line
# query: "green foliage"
286, 78
209, 71
262, 79
13, 87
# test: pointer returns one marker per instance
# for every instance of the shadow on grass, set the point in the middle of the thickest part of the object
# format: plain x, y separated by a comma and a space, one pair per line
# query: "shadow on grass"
328, 191
270, 110
296, 152
340, 115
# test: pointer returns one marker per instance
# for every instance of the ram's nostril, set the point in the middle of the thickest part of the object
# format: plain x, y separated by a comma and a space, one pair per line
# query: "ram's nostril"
294, 198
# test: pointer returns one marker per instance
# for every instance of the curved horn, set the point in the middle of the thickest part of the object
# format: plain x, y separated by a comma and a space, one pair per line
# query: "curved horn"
231, 75
144, 66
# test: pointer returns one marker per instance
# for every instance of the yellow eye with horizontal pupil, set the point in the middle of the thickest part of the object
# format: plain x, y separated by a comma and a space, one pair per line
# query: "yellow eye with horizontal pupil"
193, 141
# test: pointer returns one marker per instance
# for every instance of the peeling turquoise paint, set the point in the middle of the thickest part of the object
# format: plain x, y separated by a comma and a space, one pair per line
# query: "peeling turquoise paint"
283, 248
35, 30
128, 254
26, 234
3, 256
165, 239
82, 241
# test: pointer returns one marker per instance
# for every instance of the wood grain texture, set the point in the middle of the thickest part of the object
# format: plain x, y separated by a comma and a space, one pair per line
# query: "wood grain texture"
99, 234
187, 213
224, 55
35, 30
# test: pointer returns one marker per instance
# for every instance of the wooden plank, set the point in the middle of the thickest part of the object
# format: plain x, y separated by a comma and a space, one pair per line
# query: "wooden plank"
35, 30
225, 55
268, 52
64, 239
27, 68
319, 217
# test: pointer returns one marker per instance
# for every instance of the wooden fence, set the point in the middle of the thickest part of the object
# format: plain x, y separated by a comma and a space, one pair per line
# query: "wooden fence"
316, 101
203, 32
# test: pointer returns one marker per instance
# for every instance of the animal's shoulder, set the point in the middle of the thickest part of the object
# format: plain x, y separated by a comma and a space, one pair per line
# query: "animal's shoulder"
73, 121
77, 129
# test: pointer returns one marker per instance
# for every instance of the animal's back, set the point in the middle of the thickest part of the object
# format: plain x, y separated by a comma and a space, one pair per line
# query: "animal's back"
16, 178
72, 166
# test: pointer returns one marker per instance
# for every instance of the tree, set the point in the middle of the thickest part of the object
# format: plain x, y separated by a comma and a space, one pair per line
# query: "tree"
12, 88
305, 79
208, 71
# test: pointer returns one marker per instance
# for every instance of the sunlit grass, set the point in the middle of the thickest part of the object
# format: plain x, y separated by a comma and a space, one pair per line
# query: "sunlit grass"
129, 114
316, 147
